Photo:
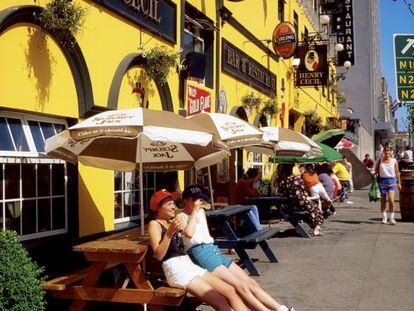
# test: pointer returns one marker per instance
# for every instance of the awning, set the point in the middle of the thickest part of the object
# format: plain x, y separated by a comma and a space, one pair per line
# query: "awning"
329, 137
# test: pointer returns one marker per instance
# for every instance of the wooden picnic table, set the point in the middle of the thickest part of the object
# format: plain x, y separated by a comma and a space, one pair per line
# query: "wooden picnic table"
240, 243
265, 203
125, 250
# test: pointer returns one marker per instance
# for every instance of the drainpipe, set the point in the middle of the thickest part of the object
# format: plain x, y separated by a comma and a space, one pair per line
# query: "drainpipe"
219, 5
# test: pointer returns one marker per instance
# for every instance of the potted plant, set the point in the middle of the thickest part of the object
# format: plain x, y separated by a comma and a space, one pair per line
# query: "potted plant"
250, 102
63, 16
20, 277
340, 98
313, 123
159, 62
270, 108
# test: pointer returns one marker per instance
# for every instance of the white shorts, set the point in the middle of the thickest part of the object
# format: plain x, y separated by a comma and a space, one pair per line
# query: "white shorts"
180, 270
319, 190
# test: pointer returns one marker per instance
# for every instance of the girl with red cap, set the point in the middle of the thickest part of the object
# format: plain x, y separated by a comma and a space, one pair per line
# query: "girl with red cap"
167, 245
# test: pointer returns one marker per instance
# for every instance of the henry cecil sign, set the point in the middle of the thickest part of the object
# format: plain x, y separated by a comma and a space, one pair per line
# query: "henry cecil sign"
197, 97
157, 16
313, 68
284, 40
239, 65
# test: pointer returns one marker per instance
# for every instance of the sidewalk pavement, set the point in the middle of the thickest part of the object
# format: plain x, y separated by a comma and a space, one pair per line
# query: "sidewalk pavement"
358, 265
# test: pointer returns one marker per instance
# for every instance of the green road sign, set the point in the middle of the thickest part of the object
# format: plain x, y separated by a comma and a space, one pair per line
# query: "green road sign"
404, 67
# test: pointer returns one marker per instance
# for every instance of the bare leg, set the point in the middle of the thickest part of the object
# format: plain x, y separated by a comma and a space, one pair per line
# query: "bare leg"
241, 287
260, 294
391, 196
383, 202
204, 292
226, 290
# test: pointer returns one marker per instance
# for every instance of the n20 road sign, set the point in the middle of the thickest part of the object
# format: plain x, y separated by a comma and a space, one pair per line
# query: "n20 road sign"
404, 67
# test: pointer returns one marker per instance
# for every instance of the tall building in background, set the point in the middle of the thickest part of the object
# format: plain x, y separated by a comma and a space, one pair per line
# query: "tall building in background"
362, 86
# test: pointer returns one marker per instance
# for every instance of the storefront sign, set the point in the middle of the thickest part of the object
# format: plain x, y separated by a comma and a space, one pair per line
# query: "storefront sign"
284, 40
239, 65
313, 69
344, 24
197, 97
157, 16
222, 108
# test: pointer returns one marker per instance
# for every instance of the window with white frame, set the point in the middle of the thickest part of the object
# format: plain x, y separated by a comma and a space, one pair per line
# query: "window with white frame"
192, 40
126, 200
258, 161
33, 187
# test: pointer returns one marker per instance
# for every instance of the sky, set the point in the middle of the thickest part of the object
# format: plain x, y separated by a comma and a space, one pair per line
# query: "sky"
395, 18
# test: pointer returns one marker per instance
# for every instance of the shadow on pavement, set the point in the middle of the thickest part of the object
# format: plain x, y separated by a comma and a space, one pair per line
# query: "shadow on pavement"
355, 222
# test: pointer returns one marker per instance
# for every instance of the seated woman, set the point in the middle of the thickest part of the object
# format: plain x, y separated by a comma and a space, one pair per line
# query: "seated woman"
313, 185
167, 245
293, 188
203, 252
246, 188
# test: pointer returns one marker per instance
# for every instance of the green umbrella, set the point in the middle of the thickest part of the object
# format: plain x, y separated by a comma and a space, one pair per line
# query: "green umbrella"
329, 137
328, 155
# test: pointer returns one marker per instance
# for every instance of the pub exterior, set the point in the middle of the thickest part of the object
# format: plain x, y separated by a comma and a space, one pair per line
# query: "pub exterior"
225, 58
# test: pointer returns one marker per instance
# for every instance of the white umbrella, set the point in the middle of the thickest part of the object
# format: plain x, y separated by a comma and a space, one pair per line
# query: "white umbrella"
234, 132
285, 142
143, 139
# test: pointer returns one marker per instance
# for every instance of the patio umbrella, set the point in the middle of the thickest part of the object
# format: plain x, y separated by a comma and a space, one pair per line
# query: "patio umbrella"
330, 137
285, 142
143, 139
236, 133
328, 155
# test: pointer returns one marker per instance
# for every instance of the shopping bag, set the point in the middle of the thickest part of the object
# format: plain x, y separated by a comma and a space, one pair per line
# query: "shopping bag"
374, 192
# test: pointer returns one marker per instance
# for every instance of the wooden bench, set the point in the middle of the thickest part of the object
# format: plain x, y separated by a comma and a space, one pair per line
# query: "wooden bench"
126, 251
296, 220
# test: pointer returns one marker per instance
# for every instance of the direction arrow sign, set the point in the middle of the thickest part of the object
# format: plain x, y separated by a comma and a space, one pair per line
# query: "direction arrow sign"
404, 67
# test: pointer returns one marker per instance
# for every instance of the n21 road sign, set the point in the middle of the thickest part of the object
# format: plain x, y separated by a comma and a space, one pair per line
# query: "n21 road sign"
404, 67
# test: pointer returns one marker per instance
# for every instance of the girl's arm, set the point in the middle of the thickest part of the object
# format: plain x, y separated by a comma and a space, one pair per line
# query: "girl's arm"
191, 223
159, 246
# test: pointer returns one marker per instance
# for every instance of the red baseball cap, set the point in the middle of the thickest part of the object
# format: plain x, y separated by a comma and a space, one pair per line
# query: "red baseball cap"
158, 197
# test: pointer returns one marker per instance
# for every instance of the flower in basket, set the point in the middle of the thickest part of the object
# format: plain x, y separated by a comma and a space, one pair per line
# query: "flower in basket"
63, 15
158, 63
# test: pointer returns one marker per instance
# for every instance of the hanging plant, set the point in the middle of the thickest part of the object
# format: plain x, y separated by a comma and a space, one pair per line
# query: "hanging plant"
270, 108
159, 62
340, 98
250, 101
313, 123
64, 16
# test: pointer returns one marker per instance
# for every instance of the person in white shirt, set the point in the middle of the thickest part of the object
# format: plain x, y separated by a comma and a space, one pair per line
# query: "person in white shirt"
200, 247
386, 170
408, 155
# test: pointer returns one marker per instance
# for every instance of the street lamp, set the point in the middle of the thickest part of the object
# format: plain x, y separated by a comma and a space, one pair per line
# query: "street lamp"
342, 75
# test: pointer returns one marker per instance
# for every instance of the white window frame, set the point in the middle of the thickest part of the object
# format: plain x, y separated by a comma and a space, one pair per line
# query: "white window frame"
25, 118
32, 157
123, 192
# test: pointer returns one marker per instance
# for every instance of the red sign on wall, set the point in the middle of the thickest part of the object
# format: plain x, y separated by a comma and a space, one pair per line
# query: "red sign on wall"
198, 98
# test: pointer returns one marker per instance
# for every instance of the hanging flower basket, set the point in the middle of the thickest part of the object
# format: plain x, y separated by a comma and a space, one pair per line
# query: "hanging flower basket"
251, 102
313, 123
63, 16
270, 108
159, 62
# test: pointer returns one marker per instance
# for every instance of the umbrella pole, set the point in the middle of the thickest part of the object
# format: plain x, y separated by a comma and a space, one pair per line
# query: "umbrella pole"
141, 186
210, 184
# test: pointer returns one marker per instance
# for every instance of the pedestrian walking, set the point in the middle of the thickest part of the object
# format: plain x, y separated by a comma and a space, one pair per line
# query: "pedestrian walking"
386, 170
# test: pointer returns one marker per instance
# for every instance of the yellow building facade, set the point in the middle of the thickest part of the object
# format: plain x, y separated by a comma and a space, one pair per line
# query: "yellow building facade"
47, 84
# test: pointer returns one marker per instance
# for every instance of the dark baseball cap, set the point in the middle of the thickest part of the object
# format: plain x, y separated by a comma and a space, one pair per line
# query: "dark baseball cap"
195, 192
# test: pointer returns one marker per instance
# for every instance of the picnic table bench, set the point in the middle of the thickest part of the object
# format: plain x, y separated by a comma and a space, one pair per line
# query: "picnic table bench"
233, 240
125, 250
